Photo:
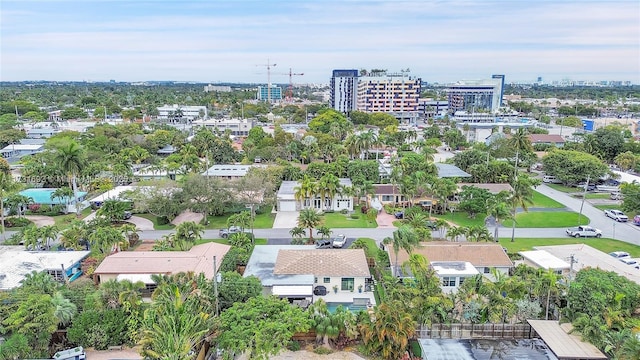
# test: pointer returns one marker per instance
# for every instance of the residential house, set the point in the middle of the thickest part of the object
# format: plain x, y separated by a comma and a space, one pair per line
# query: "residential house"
16, 263
228, 172
484, 257
547, 139
43, 196
166, 150
14, 152
444, 170
453, 273
116, 193
541, 259
140, 265
287, 201
303, 274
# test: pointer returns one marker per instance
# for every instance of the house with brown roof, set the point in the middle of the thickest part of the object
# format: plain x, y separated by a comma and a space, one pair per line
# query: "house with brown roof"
303, 274
450, 256
140, 265
547, 139
493, 188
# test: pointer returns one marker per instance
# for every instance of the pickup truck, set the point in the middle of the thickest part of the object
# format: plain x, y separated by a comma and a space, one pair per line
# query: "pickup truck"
584, 231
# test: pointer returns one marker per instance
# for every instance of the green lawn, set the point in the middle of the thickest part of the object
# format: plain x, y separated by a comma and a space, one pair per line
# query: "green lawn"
602, 244
607, 207
154, 219
555, 219
462, 219
372, 248
264, 220
598, 196
337, 220
560, 187
543, 201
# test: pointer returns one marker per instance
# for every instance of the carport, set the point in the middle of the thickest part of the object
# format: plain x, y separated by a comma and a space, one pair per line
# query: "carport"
564, 345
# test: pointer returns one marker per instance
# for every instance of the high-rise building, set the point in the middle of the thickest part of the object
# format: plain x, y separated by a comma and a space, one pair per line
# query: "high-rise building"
391, 93
476, 95
276, 93
344, 90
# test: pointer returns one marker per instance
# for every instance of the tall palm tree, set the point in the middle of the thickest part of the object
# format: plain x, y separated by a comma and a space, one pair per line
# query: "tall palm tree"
522, 196
328, 187
64, 194
404, 238
389, 332
71, 159
7, 186
297, 232
48, 234
189, 232
498, 208
306, 191
310, 219
442, 189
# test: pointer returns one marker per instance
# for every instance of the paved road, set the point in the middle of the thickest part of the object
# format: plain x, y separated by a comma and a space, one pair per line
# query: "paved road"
621, 231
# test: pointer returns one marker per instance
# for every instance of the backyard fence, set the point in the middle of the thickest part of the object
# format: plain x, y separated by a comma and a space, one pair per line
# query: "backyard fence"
475, 331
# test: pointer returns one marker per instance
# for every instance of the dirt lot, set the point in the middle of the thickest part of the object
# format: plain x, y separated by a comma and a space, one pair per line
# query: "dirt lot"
126, 354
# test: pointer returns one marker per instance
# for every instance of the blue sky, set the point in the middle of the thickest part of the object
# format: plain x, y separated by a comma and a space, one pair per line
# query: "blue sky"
224, 40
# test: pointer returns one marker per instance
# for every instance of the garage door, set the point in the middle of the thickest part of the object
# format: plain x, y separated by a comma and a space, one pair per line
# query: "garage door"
286, 205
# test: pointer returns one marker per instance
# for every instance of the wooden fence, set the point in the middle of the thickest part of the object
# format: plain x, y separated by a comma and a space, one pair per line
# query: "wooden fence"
475, 331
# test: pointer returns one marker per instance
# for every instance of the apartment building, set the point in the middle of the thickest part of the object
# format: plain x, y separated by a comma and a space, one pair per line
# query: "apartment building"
475, 96
181, 112
344, 90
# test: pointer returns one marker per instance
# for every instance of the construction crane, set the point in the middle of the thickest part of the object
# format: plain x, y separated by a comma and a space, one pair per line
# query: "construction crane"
269, 65
289, 93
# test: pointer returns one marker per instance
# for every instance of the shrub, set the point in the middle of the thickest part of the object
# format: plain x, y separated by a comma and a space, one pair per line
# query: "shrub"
321, 350
162, 220
355, 216
99, 329
17, 222
293, 345
364, 209
344, 211
34, 208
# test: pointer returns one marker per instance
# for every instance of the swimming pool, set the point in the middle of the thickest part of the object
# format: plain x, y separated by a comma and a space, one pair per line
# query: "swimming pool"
332, 306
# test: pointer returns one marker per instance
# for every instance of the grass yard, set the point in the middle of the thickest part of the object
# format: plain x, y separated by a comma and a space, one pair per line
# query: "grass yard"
607, 207
372, 247
602, 244
462, 219
543, 201
264, 220
597, 196
338, 220
555, 219
154, 219
566, 189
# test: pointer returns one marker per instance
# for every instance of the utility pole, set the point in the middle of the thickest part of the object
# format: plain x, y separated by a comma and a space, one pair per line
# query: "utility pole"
572, 260
215, 285
584, 195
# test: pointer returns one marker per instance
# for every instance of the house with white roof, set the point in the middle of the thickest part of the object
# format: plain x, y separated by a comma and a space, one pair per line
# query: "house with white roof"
17, 263
453, 273
286, 199
303, 274
17, 151
228, 171
541, 259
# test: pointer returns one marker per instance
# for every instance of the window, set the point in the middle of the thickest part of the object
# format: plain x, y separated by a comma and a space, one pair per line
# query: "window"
387, 197
461, 281
315, 280
56, 274
487, 270
326, 280
448, 281
347, 284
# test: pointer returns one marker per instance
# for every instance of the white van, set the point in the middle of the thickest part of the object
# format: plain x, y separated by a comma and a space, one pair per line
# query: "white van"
551, 179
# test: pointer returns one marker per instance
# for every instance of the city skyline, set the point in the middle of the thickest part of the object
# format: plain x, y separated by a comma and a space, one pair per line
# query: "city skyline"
442, 41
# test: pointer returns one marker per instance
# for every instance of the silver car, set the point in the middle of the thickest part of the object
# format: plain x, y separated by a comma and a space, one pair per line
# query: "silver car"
339, 241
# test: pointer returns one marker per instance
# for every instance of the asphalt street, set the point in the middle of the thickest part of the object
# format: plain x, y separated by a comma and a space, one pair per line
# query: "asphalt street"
626, 232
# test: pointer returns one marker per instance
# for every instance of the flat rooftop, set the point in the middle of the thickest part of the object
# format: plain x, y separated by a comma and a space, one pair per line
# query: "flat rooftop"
564, 345
545, 260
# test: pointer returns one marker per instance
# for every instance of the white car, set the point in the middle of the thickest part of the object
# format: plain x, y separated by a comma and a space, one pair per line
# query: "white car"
584, 231
619, 254
616, 215
339, 241
630, 261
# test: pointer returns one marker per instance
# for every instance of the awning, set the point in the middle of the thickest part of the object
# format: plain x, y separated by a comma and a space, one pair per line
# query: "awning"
564, 345
145, 278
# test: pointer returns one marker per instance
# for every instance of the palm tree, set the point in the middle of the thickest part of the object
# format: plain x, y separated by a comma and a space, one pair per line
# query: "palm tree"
325, 232
306, 191
389, 332
522, 196
7, 186
188, 232
71, 160
404, 238
72, 236
64, 194
65, 310
130, 231
499, 209
454, 232
113, 210
310, 219
49, 233
241, 219
18, 202
297, 233
328, 186
442, 190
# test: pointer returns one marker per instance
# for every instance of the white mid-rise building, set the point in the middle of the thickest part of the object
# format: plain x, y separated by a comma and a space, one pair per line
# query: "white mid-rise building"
181, 112
238, 127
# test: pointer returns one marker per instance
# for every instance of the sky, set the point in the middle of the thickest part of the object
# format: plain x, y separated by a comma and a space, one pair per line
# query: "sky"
235, 41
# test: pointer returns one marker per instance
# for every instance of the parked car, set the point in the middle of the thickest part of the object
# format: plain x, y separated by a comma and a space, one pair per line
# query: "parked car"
636, 220
616, 195
127, 215
551, 179
584, 231
589, 187
619, 254
224, 233
339, 241
399, 215
323, 244
616, 215
630, 261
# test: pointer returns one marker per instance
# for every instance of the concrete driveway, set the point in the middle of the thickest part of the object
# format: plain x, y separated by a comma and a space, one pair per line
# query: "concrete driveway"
186, 216
286, 219
140, 222
39, 220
